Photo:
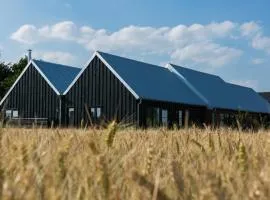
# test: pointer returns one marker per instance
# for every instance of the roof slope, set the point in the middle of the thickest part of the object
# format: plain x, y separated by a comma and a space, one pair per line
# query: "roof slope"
221, 94
265, 95
247, 99
60, 76
152, 82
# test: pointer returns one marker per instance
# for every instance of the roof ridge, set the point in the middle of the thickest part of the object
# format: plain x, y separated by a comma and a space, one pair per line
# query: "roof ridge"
44, 61
196, 71
131, 59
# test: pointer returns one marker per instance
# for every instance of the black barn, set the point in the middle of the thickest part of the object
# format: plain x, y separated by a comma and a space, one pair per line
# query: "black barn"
36, 94
110, 88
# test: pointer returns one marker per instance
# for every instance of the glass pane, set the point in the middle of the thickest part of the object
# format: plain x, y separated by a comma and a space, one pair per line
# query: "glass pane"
92, 112
156, 117
164, 114
164, 117
221, 119
180, 114
15, 113
149, 117
98, 112
71, 116
8, 113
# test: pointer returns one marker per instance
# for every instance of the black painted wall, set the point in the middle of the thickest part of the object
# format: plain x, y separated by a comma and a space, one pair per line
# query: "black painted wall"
99, 87
33, 97
197, 114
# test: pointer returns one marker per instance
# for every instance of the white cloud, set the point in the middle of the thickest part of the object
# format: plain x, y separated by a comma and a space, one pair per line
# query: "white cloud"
55, 56
257, 61
246, 83
250, 28
30, 34
261, 42
208, 53
27, 34
198, 43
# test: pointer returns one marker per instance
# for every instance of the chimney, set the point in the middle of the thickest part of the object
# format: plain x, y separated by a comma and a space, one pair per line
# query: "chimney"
29, 55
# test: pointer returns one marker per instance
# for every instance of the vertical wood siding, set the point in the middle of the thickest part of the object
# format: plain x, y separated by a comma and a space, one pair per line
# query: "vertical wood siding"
98, 87
33, 97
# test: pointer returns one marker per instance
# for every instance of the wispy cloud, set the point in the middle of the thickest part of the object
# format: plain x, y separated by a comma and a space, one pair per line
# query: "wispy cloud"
246, 83
261, 42
250, 28
257, 61
196, 43
55, 56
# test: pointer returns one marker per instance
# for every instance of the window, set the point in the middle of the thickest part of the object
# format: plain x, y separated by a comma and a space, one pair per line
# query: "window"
98, 112
153, 116
221, 119
180, 117
95, 112
15, 114
186, 118
8, 114
70, 110
164, 117
92, 112
156, 117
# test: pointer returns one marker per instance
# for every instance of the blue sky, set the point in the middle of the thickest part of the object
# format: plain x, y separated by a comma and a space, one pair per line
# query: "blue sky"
227, 38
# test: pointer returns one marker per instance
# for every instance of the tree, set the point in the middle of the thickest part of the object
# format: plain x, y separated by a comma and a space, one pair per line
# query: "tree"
9, 73
5, 72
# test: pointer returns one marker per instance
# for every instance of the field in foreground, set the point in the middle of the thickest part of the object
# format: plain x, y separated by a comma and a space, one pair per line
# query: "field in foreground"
153, 164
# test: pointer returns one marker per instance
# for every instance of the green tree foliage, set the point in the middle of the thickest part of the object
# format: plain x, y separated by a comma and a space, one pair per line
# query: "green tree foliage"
9, 73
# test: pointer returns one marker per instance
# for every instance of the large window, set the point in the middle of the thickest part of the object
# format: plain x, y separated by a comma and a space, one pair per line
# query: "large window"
164, 117
153, 116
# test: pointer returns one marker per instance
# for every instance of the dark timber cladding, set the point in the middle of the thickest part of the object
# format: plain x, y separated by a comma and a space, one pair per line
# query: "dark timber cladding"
98, 87
197, 114
33, 97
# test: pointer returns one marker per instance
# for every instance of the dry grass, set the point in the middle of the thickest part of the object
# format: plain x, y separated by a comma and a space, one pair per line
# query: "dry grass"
130, 164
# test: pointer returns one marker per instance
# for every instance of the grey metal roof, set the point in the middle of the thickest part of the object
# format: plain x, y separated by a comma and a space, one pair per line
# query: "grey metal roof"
152, 82
59, 75
246, 99
223, 95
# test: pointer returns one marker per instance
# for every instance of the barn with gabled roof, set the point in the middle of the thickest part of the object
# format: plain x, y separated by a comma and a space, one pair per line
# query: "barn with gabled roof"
112, 87
37, 93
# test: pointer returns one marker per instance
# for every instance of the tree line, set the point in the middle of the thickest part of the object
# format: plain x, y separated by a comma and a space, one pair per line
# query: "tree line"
9, 72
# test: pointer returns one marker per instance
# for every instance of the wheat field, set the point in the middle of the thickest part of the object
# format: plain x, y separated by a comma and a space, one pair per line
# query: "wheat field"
119, 164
